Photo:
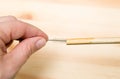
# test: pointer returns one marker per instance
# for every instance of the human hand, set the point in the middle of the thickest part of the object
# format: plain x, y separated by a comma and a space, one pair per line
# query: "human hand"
31, 39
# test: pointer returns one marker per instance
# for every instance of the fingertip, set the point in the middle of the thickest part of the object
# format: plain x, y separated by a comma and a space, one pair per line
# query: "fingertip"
45, 36
40, 43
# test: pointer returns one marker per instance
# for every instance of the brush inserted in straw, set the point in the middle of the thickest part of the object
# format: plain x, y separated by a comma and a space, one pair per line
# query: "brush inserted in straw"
77, 41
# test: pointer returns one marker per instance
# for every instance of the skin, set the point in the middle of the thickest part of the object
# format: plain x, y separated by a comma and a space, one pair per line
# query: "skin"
31, 39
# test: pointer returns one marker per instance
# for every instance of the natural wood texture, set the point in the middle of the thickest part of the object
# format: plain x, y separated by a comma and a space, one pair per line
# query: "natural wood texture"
66, 19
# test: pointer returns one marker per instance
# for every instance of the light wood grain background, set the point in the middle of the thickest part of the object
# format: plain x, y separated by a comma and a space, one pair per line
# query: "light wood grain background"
66, 19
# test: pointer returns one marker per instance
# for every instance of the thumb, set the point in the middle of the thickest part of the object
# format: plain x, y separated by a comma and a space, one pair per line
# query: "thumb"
18, 56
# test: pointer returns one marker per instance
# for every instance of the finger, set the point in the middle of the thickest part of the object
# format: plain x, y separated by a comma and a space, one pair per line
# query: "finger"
21, 53
3, 46
13, 30
7, 18
28, 31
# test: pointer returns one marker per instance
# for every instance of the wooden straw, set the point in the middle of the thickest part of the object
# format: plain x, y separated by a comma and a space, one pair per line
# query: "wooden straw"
80, 41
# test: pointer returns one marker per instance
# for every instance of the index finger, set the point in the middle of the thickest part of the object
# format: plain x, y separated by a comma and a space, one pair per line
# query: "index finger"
19, 30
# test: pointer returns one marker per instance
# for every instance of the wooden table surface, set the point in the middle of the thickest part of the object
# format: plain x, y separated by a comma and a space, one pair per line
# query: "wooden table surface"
66, 19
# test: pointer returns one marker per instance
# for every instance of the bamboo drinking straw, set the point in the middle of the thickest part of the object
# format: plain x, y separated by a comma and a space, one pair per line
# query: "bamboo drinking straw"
80, 41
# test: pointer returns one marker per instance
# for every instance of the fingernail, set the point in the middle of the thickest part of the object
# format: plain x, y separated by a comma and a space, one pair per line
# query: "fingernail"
40, 43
